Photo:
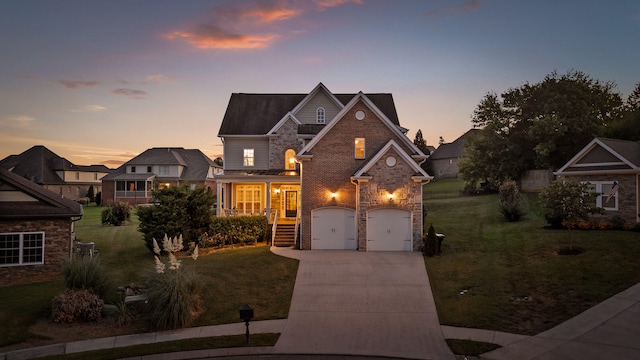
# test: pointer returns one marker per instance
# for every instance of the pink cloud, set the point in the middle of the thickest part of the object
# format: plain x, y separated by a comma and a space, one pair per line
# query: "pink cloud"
325, 4
212, 37
70, 84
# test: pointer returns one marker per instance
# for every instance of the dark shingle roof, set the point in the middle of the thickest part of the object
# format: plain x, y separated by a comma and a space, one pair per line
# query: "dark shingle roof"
49, 204
454, 149
256, 114
196, 164
38, 164
629, 149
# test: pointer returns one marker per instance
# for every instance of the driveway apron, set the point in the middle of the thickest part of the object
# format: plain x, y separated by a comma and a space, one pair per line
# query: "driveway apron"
363, 303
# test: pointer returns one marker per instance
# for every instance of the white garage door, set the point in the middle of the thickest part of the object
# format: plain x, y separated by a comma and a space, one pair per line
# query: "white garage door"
333, 228
389, 230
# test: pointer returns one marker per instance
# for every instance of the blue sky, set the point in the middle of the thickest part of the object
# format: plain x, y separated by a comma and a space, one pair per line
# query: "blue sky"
102, 81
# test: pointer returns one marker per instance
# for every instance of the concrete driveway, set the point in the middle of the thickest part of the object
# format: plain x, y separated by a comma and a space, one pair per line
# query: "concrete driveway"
359, 303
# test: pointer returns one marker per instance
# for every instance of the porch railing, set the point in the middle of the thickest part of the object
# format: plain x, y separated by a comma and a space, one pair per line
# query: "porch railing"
274, 228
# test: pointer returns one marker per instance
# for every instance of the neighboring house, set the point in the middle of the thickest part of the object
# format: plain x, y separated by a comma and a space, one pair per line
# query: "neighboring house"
605, 163
447, 157
339, 165
156, 169
55, 173
36, 230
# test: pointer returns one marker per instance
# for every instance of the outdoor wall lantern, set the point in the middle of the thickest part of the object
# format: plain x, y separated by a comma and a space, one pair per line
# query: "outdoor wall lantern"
333, 196
277, 191
246, 314
390, 196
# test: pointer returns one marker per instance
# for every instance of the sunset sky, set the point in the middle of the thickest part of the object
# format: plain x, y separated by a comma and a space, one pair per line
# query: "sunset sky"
99, 82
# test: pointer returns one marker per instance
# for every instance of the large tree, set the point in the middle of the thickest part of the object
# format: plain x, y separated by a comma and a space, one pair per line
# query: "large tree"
538, 126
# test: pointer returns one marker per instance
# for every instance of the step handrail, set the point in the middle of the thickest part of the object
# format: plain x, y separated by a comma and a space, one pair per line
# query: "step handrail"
274, 228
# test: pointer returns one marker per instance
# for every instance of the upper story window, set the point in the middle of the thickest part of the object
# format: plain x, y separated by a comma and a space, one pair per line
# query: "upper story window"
248, 158
95, 176
149, 169
163, 170
77, 175
359, 148
289, 160
21, 248
320, 119
133, 169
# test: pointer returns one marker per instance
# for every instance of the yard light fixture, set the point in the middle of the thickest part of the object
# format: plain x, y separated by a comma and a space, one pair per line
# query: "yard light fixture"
246, 314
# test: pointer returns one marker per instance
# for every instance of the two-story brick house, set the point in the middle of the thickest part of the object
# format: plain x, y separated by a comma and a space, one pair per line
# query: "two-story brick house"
339, 165
55, 173
155, 169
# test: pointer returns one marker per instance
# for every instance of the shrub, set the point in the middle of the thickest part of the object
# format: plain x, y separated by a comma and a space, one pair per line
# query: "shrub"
235, 230
116, 214
180, 210
509, 202
430, 247
618, 222
99, 198
75, 305
174, 294
567, 202
86, 273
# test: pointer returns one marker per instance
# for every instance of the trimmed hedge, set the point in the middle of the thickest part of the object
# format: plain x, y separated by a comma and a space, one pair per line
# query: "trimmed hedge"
235, 230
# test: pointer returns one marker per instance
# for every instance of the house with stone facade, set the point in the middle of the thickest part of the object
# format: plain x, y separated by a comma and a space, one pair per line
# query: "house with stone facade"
36, 230
49, 170
612, 169
335, 170
155, 169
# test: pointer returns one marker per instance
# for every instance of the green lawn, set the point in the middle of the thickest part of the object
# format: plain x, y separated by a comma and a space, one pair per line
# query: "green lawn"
232, 277
486, 262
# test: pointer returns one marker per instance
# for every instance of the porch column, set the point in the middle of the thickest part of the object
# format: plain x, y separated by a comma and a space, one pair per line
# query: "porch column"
268, 202
218, 198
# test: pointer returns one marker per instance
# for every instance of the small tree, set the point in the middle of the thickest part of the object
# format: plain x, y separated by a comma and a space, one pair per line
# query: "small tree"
430, 247
509, 202
564, 203
91, 194
99, 198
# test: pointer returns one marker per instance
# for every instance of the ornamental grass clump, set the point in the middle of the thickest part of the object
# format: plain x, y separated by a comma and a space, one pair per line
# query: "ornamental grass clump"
173, 291
88, 273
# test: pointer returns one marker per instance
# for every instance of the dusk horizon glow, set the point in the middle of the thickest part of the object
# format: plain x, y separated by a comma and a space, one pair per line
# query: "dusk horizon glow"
99, 82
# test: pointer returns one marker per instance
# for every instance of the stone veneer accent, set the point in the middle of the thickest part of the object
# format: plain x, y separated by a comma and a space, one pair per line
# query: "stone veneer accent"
333, 164
57, 235
628, 189
286, 137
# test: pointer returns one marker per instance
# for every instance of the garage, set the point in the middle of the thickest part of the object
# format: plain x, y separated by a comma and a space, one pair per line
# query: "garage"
333, 228
389, 230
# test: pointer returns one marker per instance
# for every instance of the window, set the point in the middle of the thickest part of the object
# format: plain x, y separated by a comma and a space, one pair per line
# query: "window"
607, 195
77, 191
133, 169
359, 148
149, 169
289, 160
77, 175
21, 248
320, 119
163, 170
248, 199
95, 176
248, 159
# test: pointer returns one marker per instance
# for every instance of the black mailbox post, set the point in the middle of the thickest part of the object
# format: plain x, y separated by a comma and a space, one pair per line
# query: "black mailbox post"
246, 314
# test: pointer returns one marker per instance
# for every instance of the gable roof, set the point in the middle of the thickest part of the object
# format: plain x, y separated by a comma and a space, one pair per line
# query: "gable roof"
257, 114
454, 149
40, 164
604, 155
365, 99
45, 203
196, 164
419, 172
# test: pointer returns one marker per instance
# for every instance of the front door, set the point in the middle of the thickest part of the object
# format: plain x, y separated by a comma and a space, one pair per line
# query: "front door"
291, 204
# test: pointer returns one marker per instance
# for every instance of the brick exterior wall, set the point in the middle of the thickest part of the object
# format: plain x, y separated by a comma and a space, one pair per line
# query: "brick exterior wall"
442, 169
333, 164
407, 195
627, 195
56, 251
287, 138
